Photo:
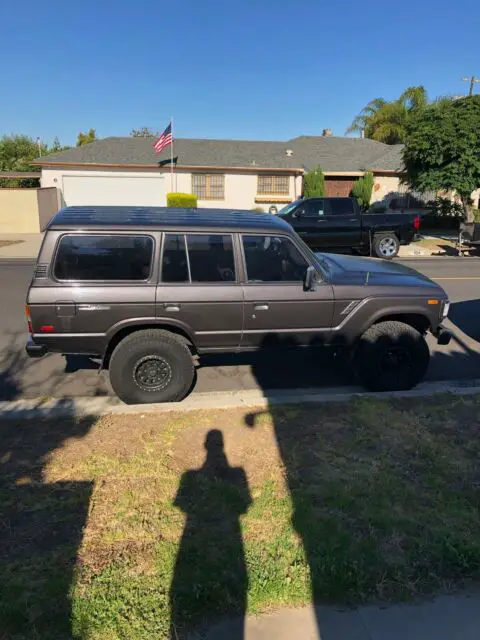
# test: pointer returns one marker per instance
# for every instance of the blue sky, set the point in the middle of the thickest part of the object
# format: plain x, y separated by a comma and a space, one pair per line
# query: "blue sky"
250, 69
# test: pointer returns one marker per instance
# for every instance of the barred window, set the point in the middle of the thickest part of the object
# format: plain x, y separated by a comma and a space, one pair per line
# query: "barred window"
273, 185
208, 186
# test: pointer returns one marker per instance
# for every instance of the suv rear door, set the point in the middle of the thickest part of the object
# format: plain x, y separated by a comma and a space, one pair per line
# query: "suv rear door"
341, 224
278, 309
199, 289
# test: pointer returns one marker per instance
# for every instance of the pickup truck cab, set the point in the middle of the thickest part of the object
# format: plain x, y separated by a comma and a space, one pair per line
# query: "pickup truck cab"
147, 289
338, 223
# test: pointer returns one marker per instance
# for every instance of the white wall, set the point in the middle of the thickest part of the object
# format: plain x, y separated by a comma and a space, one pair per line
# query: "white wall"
240, 188
384, 185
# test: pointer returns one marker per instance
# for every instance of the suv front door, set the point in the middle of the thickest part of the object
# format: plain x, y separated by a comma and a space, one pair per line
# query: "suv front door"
199, 290
277, 308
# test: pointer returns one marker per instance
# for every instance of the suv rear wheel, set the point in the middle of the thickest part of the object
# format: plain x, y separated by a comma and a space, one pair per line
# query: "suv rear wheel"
151, 366
386, 245
391, 356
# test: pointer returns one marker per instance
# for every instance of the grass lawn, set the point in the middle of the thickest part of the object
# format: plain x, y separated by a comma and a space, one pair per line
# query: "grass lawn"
140, 527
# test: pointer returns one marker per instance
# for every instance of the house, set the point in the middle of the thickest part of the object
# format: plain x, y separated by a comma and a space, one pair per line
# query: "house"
221, 173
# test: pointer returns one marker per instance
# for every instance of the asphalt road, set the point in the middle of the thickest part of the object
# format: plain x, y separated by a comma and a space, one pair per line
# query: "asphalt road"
56, 376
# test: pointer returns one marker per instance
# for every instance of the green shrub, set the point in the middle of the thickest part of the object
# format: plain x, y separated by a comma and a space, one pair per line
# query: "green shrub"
314, 183
444, 207
362, 190
182, 200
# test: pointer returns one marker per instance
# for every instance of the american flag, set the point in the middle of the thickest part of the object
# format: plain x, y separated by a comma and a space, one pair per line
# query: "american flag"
164, 140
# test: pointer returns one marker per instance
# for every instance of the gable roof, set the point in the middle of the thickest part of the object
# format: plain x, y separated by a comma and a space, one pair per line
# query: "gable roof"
330, 153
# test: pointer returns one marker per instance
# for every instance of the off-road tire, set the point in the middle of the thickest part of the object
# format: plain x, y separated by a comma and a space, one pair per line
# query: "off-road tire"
391, 356
385, 245
157, 348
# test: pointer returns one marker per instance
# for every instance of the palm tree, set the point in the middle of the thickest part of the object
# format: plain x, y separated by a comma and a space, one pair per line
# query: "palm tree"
387, 121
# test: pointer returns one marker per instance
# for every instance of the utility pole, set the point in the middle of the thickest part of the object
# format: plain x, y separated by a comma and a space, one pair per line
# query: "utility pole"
39, 145
472, 81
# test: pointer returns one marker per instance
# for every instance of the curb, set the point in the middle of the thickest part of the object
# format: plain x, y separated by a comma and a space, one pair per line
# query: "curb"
38, 408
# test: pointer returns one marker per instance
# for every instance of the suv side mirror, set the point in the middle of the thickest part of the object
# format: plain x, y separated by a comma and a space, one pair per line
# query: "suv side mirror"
298, 213
310, 282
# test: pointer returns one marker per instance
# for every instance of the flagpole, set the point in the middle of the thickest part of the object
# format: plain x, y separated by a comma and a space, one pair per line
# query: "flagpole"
171, 157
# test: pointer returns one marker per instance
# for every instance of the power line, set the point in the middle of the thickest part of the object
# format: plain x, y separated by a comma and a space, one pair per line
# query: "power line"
472, 80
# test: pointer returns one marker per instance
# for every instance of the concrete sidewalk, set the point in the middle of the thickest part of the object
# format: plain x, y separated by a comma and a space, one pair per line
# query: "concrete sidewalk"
452, 617
28, 245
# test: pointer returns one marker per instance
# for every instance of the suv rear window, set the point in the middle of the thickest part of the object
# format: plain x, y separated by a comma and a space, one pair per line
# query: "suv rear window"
102, 257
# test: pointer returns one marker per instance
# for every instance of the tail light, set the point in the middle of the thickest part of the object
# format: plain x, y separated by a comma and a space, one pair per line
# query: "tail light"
417, 221
29, 319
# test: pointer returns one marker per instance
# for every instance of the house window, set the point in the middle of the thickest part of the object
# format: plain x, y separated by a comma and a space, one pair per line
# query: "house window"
208, 186
273, 185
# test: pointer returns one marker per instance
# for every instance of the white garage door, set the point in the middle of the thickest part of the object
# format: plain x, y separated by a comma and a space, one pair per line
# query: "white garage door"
115, 190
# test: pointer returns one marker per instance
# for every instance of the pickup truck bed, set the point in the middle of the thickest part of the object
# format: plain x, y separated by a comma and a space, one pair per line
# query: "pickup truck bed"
338, 223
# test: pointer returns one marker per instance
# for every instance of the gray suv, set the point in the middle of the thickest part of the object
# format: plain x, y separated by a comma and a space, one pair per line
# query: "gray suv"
147, 289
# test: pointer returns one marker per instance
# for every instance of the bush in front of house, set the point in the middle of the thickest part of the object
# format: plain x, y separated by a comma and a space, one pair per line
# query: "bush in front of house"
314, 183
362, 190
182, 200
443, 214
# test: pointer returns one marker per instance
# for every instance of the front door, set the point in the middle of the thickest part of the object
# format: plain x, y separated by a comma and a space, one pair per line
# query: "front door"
278, 309
199, 290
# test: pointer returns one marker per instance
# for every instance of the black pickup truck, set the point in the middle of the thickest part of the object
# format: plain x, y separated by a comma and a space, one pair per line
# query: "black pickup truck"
338, 223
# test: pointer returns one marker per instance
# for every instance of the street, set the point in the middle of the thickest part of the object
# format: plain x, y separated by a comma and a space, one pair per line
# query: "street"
56, 376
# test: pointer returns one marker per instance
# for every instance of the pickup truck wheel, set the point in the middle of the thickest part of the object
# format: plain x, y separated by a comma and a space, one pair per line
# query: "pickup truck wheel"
151, 366
391, 356
385, 245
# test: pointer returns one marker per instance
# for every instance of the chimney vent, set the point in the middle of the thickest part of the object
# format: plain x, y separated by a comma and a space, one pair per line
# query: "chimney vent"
327, 133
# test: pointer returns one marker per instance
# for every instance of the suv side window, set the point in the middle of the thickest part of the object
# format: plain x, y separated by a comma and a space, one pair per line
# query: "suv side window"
273, 259
103, 257
198, 258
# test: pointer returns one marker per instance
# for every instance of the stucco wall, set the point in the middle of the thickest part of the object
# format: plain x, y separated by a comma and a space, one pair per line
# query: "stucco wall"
19, 211
383, 186
240, 188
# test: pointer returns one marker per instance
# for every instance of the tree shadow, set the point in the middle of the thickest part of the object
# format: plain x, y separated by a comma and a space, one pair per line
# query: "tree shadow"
21, 376
210, 571
304, 463
41, 527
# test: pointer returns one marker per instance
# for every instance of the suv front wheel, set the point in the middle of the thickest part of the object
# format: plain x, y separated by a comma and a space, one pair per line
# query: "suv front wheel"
391, 356
151, 365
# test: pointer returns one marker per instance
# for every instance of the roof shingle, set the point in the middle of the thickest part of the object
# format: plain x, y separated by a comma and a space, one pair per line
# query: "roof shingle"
330, 153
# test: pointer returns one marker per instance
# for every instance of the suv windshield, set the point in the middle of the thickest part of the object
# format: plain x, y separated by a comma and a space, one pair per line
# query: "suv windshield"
289, 208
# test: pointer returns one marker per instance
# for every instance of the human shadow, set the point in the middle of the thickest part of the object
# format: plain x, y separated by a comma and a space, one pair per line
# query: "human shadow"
210, 571
41, 527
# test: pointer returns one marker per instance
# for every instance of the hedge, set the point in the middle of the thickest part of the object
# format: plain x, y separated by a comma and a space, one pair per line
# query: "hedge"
187, 200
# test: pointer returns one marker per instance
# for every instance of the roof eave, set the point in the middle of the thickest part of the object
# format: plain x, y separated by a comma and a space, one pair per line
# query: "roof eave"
105, 165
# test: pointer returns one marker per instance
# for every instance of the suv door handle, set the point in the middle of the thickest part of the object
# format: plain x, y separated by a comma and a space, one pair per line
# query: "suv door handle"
261, 307
171, 306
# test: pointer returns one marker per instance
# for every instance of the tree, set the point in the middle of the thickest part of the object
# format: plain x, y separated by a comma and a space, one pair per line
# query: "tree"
86, 138
387, 121
314, 183
362, 190
57, 146
442, 149
144, 132
16, 154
